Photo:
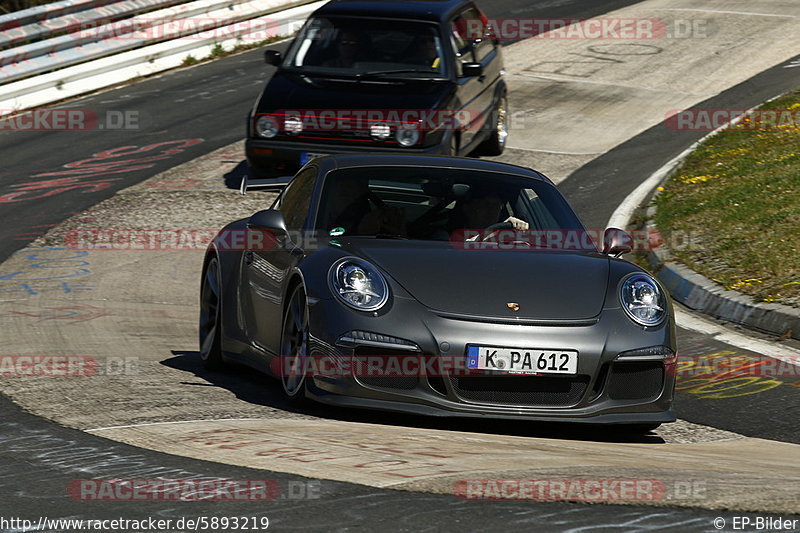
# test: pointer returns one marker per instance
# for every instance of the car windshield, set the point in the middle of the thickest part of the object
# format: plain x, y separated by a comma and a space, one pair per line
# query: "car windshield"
440, 204
367, 47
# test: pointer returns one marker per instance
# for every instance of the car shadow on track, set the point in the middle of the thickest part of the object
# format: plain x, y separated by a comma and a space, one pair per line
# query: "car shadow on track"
260, 389
233, 179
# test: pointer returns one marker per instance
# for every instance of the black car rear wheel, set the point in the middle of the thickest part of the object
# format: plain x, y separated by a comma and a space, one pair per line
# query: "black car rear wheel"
294, 346
211, 317
496, 143
453, 146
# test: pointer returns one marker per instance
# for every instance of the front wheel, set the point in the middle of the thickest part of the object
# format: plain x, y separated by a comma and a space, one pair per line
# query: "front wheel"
211, 317
294, 346
496, 143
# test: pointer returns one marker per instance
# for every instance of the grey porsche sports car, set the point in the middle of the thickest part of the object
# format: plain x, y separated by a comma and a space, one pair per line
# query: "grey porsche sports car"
440, 286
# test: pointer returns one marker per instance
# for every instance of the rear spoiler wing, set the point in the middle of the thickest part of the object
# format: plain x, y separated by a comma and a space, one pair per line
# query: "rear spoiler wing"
252, 184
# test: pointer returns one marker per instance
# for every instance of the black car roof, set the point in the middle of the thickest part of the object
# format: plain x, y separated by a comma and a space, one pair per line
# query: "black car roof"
334, 162
432, 10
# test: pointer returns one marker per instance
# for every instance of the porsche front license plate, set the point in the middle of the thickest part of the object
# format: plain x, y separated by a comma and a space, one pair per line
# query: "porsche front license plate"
523, 360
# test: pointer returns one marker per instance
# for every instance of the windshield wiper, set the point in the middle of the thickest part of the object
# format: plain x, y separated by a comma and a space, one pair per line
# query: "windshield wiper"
381, 236
397, 71
326, 74
390, 236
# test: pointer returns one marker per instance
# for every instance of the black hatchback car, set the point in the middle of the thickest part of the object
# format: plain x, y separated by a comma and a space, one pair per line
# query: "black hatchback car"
416, 77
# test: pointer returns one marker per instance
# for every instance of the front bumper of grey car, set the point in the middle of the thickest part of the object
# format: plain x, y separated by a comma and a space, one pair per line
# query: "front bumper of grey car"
625, 372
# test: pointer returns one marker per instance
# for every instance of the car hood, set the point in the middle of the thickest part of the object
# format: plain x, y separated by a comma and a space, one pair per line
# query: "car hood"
291, 91
547, 285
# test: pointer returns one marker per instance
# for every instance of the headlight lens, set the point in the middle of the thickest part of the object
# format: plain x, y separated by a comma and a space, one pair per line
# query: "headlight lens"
643, 300
407, 136
266, 126
358, 284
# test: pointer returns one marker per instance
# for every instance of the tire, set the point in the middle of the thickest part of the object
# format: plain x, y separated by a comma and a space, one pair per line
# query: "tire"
453, 147
210, 323
294, 344
496, 143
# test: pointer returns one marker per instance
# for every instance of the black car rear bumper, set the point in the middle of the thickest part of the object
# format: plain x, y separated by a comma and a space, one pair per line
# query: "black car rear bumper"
270, 158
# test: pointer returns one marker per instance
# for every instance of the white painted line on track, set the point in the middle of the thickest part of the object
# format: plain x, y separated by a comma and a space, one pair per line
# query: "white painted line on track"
691, 322
721, 12
173, 422
552, 152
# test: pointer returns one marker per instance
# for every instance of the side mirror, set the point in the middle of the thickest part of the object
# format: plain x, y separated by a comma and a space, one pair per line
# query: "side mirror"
470, 70
273, 57
616, 242
269, 219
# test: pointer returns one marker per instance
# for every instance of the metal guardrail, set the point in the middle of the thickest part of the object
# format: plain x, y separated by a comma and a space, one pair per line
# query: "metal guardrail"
94, 42
285, 17
55, 9
16, 32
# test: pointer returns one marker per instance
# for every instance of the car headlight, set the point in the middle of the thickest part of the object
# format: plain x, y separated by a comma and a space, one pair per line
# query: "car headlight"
407, 136
642, 299
358, 284
266, 126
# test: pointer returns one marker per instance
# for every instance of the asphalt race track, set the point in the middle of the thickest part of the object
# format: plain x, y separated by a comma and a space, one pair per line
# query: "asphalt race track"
40, 458
178, 117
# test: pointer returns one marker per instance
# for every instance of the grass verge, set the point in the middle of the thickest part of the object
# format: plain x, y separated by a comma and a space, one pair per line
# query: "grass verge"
735, 202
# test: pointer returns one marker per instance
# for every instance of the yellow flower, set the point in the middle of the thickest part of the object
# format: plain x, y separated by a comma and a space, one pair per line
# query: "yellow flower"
743, 283
697, 179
